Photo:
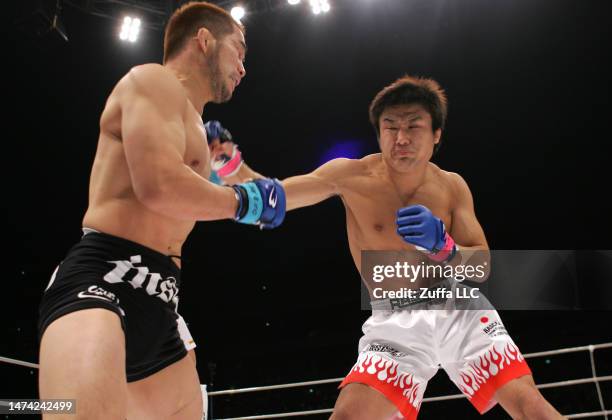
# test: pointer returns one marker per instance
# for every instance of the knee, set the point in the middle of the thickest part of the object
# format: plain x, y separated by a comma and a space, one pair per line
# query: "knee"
345, 413
340, 414
532, 405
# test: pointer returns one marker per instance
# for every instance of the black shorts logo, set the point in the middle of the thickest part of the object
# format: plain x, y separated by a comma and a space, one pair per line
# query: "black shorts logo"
165, 289
98, 293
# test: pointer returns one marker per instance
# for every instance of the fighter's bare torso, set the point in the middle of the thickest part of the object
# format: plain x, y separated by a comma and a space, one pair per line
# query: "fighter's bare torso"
113, 205
372, 199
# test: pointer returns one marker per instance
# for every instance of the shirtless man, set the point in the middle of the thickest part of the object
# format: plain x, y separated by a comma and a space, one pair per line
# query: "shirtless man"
399, 200
111, 336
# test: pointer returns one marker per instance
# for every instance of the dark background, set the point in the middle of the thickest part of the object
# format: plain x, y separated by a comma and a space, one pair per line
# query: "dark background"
529, 92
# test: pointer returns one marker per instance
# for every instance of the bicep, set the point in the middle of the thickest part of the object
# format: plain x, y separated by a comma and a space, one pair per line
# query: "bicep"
312, 188
306, 190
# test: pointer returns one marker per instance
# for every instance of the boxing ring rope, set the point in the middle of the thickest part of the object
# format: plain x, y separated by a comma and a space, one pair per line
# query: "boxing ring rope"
18, 362
593, 379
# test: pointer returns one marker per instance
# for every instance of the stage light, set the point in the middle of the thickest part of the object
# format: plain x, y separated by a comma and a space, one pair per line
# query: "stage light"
130, 29
319, 6
237, 13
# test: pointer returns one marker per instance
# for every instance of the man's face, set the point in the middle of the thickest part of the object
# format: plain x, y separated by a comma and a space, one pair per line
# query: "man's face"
227, 65
406, 137
217, 149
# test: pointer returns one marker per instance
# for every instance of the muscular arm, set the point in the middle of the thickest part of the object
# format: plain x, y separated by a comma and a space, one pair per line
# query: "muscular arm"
153, 107
466, 230
322, 183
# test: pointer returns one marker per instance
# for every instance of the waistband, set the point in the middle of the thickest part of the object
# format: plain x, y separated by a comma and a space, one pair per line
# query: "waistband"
127, 248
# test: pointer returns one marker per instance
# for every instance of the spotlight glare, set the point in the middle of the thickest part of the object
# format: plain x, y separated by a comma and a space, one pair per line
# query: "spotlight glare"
237, 12
130, 29
319, 6
293, 2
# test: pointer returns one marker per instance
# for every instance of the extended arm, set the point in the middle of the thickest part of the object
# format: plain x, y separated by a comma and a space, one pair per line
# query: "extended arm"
324, 182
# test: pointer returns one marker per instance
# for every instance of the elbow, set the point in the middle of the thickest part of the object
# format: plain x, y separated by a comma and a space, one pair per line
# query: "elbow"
151, 195
478, 261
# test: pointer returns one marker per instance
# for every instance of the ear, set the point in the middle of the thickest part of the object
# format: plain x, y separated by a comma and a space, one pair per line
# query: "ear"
437, 135
205, 40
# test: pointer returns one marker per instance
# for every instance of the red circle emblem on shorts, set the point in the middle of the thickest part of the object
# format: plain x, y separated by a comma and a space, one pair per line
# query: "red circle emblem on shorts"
484, 319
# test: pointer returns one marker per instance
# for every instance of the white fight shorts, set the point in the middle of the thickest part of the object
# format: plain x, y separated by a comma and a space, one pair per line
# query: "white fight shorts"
401, 350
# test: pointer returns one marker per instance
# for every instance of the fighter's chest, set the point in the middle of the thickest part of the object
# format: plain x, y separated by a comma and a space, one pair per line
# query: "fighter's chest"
373, 211
196, 153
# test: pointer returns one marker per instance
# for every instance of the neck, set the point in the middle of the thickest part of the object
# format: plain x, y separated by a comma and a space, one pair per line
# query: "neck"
407, 181
197, 86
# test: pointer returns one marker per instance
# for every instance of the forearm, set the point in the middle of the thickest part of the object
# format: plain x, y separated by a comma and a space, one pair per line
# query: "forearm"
307, 190
183, 194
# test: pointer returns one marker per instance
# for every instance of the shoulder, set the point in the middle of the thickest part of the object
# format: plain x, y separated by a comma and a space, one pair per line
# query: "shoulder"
345, 168
342, 166
370, 160
152, 74
340, 172
454, 182
368, 165
153, 81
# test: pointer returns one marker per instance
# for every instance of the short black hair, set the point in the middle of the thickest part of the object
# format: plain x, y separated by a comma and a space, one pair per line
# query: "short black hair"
412, 90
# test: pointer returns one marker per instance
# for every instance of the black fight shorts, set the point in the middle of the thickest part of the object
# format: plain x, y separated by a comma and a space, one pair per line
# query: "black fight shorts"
137, 283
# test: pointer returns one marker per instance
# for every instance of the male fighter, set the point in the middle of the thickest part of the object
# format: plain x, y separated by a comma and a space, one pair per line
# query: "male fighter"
399, 200
111, 336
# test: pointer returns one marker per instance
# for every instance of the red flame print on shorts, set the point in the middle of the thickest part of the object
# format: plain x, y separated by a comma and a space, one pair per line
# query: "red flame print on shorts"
488, 365
386, 371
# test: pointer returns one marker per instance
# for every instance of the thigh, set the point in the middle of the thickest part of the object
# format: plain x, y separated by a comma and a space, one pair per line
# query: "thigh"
82, 357
396, 360
521, 399
480, 357
173, 392
358, 401
511, 394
